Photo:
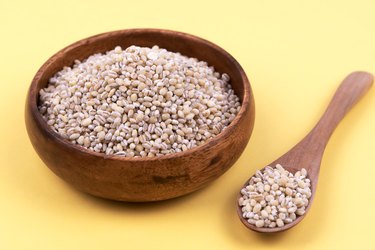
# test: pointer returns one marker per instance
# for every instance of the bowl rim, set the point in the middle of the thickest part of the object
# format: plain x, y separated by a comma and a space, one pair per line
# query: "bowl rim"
33, 97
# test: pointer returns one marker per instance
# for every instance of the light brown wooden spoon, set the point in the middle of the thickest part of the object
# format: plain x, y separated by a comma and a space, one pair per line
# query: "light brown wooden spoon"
308, 152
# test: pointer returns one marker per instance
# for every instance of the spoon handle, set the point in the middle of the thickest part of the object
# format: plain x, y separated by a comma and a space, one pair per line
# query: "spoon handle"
350, 91
308, 152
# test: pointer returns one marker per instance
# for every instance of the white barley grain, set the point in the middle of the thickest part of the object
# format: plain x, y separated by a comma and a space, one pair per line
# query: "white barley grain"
276, 197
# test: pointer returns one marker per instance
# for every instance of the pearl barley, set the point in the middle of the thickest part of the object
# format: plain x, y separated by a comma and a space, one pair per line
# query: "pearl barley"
139, 102
279, 205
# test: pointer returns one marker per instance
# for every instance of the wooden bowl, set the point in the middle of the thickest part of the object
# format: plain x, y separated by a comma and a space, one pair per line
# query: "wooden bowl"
150, 178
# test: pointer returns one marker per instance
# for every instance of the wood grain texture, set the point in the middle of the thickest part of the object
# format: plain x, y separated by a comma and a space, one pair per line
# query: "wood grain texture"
141, 179
308, 153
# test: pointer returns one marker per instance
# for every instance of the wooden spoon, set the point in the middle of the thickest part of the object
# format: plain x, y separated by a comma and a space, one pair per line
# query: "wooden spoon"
308, 152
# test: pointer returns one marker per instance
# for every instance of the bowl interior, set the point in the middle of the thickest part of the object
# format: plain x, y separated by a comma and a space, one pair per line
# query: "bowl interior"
183, 43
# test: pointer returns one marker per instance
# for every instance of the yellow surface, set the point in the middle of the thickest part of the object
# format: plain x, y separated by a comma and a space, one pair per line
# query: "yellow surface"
295, 54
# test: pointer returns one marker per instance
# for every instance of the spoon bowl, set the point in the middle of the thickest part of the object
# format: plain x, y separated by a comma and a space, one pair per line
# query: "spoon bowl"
309, 151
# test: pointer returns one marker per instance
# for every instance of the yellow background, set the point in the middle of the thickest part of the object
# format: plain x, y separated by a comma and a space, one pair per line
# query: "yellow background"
295, 54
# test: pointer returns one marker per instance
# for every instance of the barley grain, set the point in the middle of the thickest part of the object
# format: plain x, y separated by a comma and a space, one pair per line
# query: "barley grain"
99, 102
276, 197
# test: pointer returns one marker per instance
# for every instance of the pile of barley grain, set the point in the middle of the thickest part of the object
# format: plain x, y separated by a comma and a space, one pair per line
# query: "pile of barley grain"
275, 197
138, 102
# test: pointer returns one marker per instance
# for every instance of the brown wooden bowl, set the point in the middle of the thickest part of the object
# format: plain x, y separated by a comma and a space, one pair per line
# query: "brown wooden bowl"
150, 178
